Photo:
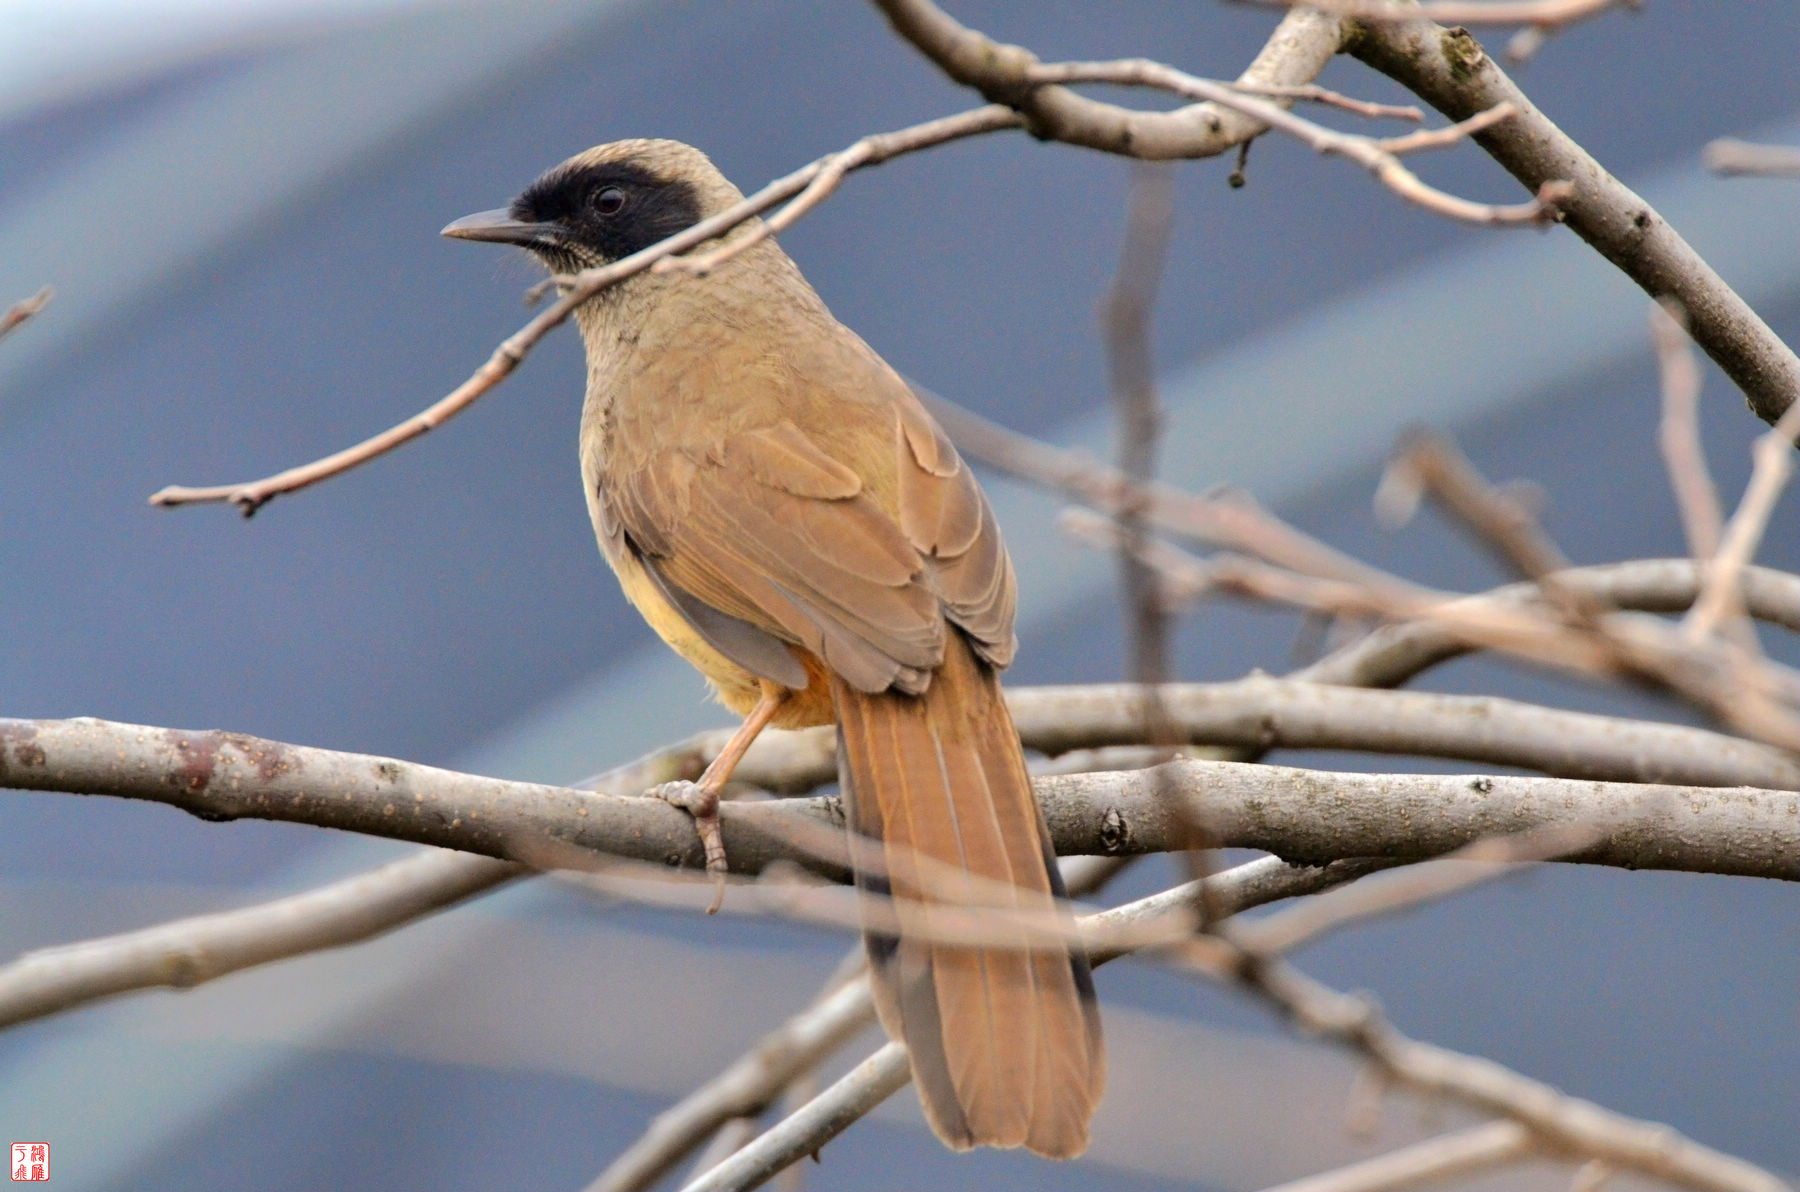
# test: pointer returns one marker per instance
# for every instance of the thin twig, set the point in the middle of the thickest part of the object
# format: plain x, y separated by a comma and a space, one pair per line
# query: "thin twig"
1392, 654
1450, 134
252, 495
1367, 152
1231, 520
1427, 462
1313, 93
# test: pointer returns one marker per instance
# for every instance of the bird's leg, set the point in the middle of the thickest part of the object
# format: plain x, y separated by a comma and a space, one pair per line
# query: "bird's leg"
701, 799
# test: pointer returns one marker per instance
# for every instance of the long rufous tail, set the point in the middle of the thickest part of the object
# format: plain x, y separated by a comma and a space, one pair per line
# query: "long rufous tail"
1005, 1042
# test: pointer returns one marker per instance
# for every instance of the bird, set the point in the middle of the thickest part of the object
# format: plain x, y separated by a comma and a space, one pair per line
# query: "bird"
787, 516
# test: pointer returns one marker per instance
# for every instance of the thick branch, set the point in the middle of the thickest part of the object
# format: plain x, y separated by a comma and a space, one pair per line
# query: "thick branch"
1301, 815
1448, 69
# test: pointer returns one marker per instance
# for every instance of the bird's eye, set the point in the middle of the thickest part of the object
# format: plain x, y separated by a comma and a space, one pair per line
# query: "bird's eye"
609, 200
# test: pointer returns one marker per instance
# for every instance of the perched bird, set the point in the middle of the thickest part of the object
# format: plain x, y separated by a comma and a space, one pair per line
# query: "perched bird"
786, 516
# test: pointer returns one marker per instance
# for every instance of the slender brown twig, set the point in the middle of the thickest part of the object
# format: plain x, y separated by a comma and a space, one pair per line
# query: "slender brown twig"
252, 495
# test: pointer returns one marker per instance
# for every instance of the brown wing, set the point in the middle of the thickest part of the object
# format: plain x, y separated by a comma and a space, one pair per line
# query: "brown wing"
856, 541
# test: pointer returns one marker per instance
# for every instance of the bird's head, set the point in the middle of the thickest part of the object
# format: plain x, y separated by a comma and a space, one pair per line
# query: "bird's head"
605, 204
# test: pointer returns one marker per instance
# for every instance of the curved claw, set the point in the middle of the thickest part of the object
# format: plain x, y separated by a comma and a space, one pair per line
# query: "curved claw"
702, 803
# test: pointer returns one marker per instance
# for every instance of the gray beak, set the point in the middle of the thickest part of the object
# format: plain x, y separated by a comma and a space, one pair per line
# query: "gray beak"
499, 227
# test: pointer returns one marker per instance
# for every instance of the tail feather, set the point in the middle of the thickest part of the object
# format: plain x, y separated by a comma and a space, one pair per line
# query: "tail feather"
1005, 1042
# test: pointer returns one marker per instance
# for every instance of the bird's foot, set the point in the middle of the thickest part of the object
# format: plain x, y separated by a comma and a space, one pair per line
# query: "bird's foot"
702, 802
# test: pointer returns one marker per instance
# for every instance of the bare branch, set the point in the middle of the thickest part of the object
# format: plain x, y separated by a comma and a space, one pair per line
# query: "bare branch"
24, 309
1371, 154
1752, 695
1737, 158
1232, 521
190, 952
216, 775
1448, 1155
1428, 462
1449, 70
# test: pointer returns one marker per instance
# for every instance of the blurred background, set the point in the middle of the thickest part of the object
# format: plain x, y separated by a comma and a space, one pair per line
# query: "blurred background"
238, 203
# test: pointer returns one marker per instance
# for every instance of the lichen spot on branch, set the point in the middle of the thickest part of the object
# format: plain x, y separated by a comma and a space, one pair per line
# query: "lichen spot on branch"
1462, 53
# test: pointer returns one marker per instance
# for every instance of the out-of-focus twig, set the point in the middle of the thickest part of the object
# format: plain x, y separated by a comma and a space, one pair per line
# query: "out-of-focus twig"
1125, 313
1774, 456
1737, 158
1679, 433
1427, 462
1443, 1157
24, 309
1543, 13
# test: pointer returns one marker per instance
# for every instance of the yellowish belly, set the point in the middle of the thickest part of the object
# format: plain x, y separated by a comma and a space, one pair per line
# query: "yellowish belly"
736, 687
